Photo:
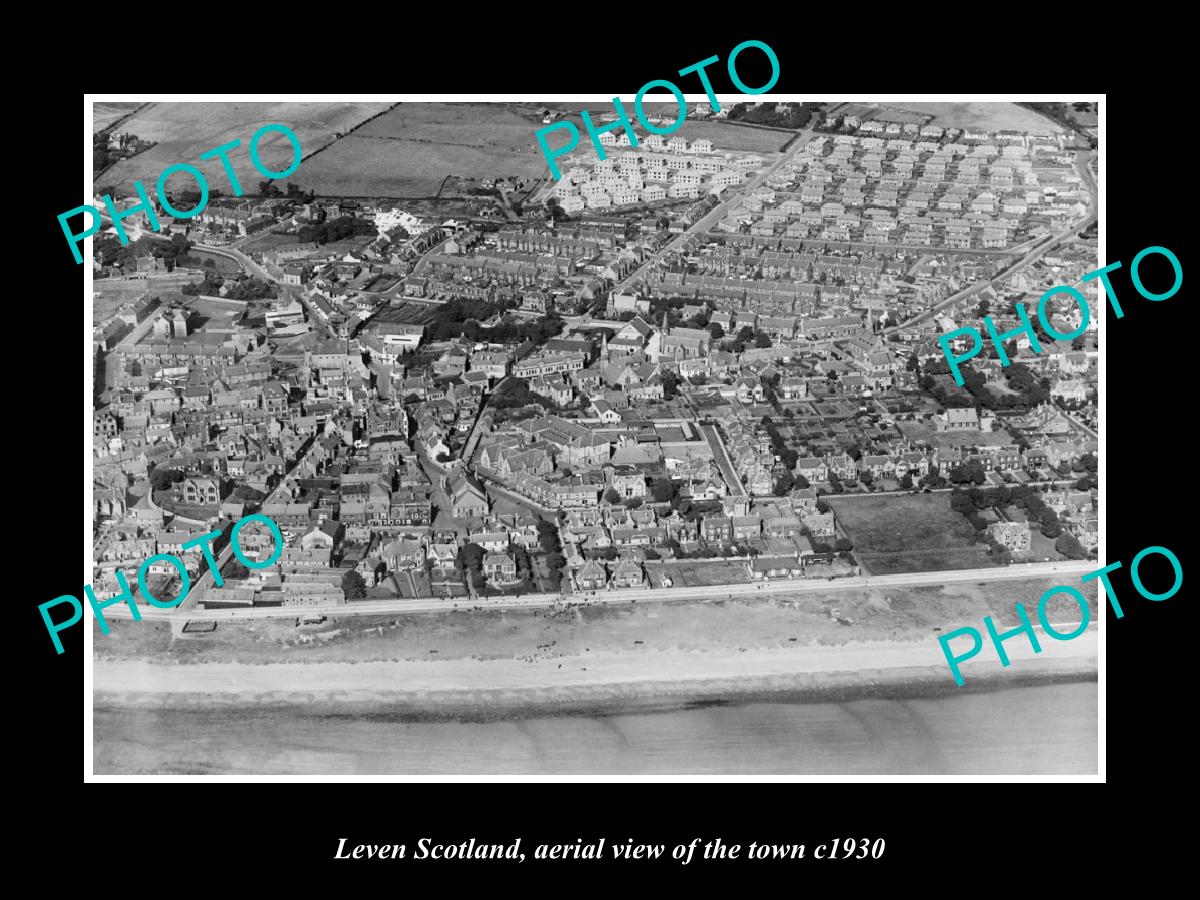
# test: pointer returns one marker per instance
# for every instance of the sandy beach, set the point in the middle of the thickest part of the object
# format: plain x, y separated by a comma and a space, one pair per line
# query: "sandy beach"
861, 667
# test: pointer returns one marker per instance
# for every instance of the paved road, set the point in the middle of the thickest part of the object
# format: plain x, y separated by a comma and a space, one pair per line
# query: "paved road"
1068, 569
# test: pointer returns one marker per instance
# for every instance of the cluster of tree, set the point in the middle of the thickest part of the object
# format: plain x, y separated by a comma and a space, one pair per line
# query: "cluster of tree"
162, 479
555, 211
536, 332
1026, 497
670, 382
971, 471
996, 550
240, 287
457, 317
797, 115
514, 393
744, 338
354, 585
112, 253
270, 189
1030, 390
1068, 545
524, 567
470, 559
336, 230
664, 490
551, 545
450, 318
787, 459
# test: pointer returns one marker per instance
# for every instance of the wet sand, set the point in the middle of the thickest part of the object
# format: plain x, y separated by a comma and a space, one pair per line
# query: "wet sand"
1043, 730
876, 707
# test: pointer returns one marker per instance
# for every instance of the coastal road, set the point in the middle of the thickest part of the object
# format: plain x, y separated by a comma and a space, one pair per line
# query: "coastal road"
1068, 570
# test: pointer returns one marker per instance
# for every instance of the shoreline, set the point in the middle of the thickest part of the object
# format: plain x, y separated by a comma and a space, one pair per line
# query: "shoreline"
613, 683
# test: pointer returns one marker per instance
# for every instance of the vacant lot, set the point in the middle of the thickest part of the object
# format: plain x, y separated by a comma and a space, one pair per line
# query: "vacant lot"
991, 116
409, 151
689, 573
918, 431
909, 533
185, 130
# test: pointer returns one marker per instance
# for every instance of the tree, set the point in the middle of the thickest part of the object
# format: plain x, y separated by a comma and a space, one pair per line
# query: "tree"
354, 585
234, 570
633, 502
470, 557
906, 481
762, 340
548, 538
1051, 527
843, 545
960, 502
1068, 545
664, 490
784, 483
162, 479
716, 331
611, 497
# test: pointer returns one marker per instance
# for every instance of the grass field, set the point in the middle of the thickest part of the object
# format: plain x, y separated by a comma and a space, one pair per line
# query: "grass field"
992, 116
409, 151
725, 135
909, 533
917, 431
185, 130
104, 114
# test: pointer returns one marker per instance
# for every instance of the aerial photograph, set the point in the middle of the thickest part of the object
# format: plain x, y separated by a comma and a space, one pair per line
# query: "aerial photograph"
655, 469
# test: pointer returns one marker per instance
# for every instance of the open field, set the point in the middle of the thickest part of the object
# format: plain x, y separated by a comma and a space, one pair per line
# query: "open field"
185, 130
105, 113
910, 613
909, 533
918, 431
992, 116
409, 151
731, 136
725, 135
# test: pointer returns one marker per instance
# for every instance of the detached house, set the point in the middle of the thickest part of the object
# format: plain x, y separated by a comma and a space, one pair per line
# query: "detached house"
500, 567
1013, 535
